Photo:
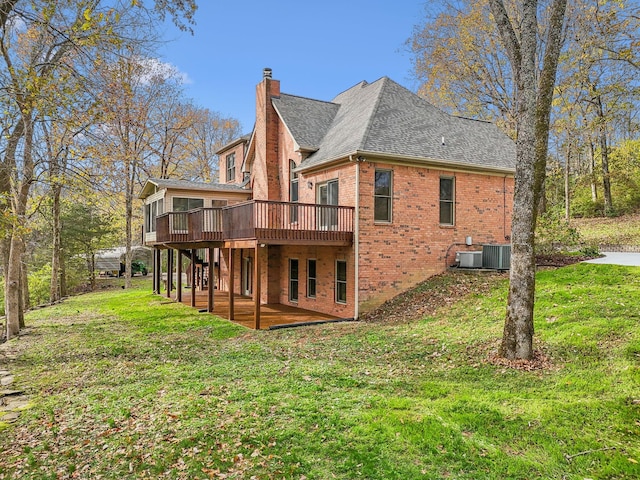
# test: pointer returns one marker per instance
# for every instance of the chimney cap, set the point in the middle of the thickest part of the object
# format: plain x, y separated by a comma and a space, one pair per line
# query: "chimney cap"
266, 73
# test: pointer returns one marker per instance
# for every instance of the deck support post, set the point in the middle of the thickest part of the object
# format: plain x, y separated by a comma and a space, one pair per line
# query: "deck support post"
256, 287
179, 276
231, 275
157, 270
169, 271
210, 283
154, 271
193, 277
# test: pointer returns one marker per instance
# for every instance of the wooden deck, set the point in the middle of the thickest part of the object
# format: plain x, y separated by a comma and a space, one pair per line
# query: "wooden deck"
271, 315
262, 221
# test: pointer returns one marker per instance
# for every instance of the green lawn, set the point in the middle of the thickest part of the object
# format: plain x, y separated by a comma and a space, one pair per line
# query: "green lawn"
124, 385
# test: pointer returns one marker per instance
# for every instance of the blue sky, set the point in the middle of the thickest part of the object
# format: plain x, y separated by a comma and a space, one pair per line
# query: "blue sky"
316, 49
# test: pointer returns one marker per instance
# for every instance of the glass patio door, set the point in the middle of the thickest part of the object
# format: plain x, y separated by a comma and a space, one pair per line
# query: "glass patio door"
328, 195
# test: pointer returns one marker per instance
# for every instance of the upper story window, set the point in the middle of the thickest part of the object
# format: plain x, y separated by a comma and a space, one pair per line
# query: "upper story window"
328, 195
447, 200
231, 167
293, 190
383, 192
293, 182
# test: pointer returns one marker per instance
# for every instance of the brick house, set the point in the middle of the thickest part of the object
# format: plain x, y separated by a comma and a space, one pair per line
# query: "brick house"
335, 207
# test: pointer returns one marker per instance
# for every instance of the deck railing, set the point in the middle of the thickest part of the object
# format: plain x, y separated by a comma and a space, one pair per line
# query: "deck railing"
205, 224
268, 221
278, 221
172, 227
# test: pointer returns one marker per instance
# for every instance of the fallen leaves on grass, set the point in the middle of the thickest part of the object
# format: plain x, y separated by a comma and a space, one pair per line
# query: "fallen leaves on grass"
560, 259
437, 292
539, 362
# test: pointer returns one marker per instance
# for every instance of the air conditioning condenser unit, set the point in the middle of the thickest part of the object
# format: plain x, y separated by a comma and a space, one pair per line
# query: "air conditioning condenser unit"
470, 259
496, 257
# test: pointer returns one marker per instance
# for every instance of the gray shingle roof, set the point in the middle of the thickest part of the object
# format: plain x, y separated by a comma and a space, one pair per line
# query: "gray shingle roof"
188, 185
385, 118
307, 119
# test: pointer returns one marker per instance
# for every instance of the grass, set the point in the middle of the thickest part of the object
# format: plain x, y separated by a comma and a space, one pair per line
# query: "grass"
609, 231
124, 385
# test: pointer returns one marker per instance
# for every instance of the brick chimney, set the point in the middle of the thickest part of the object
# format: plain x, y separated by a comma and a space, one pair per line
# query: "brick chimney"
266, 184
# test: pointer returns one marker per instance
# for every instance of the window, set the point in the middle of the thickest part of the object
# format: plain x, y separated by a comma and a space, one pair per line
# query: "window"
293, 191
186, 204
293, 280
148, 218
341, 281
311, 278
447, 198
328, 195
180, 222
218, 203
151, 212
231, 167
382, 196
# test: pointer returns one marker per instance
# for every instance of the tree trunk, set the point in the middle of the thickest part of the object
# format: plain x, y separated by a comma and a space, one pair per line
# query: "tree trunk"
606, 180
25, 301
54, 291
604, 155
567, 178
63, 275
15, 289
13, 292
517, 338
592, 172
128, 242
533, 106
91, 266
11, 261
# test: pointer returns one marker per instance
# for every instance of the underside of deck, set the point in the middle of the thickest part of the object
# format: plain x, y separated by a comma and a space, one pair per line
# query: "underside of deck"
271, 315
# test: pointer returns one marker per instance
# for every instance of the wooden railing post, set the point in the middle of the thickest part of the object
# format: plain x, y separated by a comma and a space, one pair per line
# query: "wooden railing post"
179, 279
169, 271
210, 283
231, 275
256, 287
193, 277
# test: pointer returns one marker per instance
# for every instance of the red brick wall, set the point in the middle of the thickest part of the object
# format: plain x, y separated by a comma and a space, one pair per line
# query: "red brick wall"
326, 258
270, 259
414, 246
266, 170
274, 262
346, 176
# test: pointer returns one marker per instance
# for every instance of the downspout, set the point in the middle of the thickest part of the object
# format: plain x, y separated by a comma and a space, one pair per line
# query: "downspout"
504, 208
356, 241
